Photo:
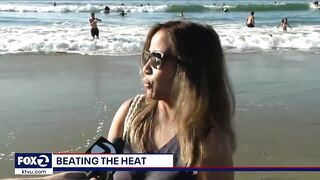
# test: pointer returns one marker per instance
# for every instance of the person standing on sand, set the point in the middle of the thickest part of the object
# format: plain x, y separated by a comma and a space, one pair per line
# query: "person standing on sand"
250, 22
94, 26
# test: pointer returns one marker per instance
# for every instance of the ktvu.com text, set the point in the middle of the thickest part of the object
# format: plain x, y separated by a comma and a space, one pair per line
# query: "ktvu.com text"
46, 163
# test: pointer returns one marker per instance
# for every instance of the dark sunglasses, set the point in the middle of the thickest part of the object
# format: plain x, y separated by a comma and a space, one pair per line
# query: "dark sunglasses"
155, 58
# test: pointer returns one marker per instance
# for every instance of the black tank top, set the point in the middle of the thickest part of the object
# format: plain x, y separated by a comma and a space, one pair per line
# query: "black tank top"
171, 147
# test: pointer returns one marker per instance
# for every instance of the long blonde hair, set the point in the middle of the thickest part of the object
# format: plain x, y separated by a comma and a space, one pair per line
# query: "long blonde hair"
201, 94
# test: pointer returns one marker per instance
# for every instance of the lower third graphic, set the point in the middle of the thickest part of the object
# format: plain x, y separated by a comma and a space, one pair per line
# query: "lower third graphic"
33, 163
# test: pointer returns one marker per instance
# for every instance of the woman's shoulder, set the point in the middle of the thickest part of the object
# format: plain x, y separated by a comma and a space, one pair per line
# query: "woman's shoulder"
123, 109
118, 122
130, 104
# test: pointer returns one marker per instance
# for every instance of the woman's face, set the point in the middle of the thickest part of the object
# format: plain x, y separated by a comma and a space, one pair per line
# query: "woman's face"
159, 68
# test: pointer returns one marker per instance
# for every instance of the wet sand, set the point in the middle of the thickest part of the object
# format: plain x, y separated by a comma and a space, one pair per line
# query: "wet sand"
61, 103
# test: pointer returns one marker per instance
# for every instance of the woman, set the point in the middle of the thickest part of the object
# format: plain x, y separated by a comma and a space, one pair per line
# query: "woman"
188, 103
187, 107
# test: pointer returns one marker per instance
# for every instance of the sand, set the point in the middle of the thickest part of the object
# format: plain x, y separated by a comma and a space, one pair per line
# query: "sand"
60, 103
277, 119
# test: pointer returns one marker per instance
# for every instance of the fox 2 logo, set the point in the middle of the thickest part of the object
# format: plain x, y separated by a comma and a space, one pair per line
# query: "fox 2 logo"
33, 160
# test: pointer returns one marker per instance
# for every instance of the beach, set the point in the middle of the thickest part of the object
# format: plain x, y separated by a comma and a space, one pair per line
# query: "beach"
60, 88
63, 102
277, 119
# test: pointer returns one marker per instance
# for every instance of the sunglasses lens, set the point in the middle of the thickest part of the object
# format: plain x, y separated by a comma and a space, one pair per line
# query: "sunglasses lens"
146, 57
155, 59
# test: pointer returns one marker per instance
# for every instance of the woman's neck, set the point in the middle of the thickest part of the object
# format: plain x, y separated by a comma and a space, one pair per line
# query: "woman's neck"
165, 125
165, 112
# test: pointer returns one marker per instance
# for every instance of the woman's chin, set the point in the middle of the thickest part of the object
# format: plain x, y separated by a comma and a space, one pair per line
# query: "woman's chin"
151, 95
148, 94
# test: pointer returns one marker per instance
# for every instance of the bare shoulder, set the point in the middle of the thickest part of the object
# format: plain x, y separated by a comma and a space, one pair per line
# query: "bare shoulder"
219, 153
116, 128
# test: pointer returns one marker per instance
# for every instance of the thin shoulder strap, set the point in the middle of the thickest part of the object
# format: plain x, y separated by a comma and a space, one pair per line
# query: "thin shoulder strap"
134, 106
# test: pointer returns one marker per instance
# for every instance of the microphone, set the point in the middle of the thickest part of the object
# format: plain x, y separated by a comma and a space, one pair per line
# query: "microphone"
103, 146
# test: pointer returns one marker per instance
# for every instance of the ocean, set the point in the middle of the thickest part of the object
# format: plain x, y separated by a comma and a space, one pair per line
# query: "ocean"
37, 26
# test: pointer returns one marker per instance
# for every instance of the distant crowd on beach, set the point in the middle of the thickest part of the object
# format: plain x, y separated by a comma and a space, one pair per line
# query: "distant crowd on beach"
93, 21
250, 20
107, 8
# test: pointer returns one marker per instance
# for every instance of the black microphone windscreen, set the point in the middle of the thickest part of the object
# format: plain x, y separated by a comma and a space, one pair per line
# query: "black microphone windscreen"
102, 145
118, 143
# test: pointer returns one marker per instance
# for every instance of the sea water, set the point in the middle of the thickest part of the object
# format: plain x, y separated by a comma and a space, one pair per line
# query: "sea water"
40, 27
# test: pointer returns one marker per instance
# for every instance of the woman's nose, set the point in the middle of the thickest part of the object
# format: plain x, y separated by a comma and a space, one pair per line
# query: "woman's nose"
146, 69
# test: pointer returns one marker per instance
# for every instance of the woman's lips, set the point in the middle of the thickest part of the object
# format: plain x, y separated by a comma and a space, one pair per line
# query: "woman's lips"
147, 85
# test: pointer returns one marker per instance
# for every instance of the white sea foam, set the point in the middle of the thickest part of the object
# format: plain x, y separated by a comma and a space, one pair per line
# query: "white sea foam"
312, 6
116, 40
94, 7
78, 8
128, 40
267, 38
